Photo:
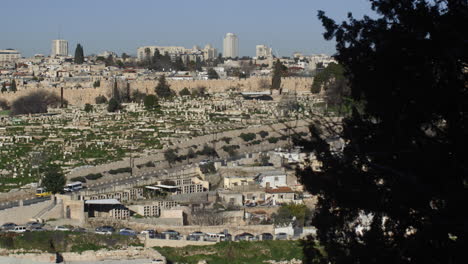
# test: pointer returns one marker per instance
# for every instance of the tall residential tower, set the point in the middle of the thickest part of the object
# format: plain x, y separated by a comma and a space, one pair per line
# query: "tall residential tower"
59, 47
231, 46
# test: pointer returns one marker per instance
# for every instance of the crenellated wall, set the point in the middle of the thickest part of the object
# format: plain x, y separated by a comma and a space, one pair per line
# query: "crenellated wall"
87, 94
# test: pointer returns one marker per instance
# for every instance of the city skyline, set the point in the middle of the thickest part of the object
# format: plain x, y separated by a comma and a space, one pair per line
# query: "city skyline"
115, 26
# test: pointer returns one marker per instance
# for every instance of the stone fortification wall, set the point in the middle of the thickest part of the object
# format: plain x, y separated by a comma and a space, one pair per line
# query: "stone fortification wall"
87, 94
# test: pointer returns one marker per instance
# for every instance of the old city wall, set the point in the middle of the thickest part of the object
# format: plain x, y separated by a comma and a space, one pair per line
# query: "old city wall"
87, 94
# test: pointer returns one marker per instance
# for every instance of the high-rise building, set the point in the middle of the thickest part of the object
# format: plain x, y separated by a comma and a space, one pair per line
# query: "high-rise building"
9, 55
231, 46
209, 52
263, 51
59, 47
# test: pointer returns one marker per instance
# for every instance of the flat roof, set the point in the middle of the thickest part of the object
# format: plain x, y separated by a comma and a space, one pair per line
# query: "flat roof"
102, 201
166, 186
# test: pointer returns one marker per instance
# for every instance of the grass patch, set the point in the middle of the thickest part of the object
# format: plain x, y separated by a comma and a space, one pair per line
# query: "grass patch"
235, 252
51, 241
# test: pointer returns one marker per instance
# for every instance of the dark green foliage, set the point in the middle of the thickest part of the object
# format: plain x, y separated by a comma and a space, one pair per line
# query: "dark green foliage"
13, 86
137, 96
79, 178
208, 151
171, 156
150, 164
114, 105
405, 156
208, 168
101, 99
277, 74
191, 154
53, 180
248, 136
226, 139
93, 176
264, 159
212, 74
35, 102
97, 83
163, 90
297, 214
256, 142
235, 252
79, 54
4, 89
150, 101
273, 140
231, 150
121, 170
332, 73
185, 92
4, 104
88, 108
263, 133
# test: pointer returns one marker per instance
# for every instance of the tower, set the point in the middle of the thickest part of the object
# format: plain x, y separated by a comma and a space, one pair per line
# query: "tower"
59, 48
231, 46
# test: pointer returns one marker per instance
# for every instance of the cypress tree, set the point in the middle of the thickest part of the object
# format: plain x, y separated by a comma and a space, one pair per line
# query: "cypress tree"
79, 54
13, 86
277, 72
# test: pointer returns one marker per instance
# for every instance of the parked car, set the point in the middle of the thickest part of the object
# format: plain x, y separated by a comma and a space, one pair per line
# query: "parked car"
33, 224
172, 234
265, 236
151, 233
195, 236
127, 232
244, 236
37, 229
105, 230
79, 229
61, 228
7, 226
19, 229
281, 236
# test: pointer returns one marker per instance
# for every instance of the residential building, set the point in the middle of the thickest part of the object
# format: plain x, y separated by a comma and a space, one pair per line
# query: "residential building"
59, 47
231, 46
209, 52
263, 51
9, 55
271, 179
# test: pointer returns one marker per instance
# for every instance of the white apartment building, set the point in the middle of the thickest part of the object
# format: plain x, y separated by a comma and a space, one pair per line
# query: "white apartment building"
9, 55
209, 52
263, 51
59, 47
231, 46
172, 50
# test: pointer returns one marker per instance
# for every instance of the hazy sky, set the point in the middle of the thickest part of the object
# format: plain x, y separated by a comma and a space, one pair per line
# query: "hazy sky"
124, 25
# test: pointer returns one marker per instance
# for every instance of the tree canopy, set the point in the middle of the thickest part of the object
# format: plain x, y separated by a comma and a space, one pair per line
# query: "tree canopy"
277, 74
395, 192
150, 101
163, 89
212, 74
53, 180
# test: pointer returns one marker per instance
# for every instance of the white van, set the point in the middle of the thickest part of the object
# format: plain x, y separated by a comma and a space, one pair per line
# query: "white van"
19, 229
73, 186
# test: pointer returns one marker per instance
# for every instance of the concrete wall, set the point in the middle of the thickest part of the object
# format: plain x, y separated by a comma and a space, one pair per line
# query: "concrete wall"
184, 230
22, 214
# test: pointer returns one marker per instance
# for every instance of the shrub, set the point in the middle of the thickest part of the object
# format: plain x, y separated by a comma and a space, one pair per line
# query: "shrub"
120, 170
80, 179
247, 136
101, 99
226, 139
273, 140
93, 176
263, 133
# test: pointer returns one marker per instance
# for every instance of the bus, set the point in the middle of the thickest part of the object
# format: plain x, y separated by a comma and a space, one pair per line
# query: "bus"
42, 192
73, 186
